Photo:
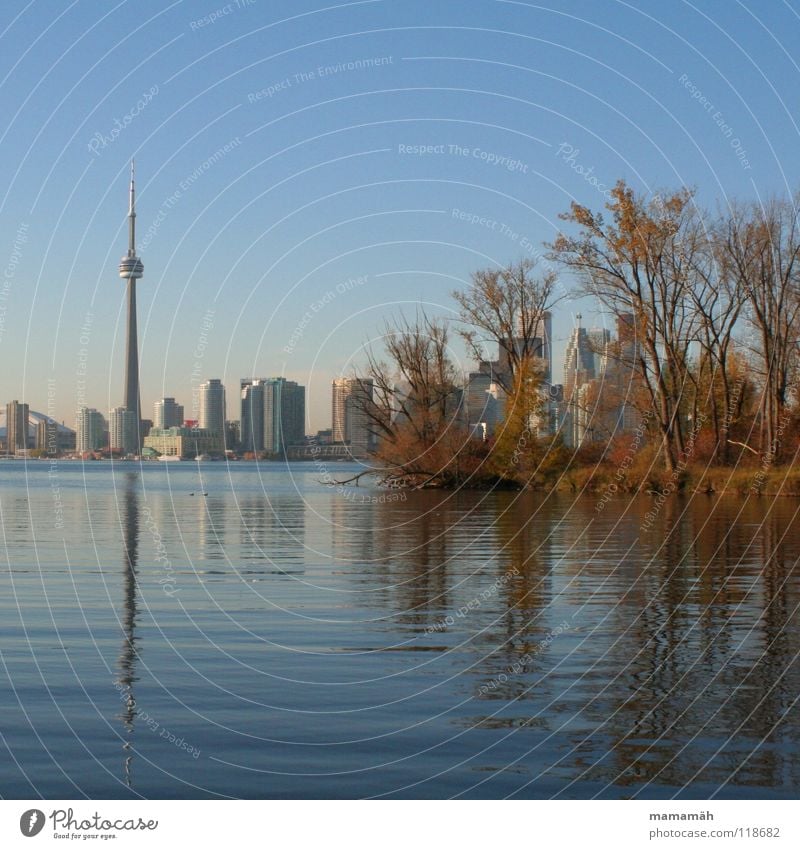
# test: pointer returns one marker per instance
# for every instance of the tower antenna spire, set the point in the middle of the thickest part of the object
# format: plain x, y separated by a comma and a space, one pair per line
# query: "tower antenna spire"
130, 270
132, 213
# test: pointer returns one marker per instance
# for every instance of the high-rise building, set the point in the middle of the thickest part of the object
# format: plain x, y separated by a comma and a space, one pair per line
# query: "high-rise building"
131, 269
598, 383
625, 354
47, 436
485, 402
233, 433
284, 414
167, 413
123, 431
579, 364
90, 427
540, 343
599, 339
16, 427
351, 400
252, 414
578, 360
212, 407
544, 331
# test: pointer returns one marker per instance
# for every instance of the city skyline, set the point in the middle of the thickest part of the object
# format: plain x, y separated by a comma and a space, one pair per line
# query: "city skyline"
450, 447
281, 224
211, 409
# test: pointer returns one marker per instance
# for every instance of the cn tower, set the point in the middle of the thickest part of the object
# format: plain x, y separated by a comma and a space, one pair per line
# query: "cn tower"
131, 269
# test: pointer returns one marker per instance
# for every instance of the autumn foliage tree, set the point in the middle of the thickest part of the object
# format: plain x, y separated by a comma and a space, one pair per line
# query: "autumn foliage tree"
416, 411
708, 316
761, 245
642, 261
505, 306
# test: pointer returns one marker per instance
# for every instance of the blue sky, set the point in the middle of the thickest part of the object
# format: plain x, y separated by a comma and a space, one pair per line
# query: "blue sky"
281, 213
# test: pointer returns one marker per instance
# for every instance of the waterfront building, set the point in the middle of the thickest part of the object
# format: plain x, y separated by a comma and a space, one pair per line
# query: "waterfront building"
16, 427
90, 429
212, 407
284, 415
252, 414
579, 368
123, 431
47, 437
323, 437
485, 403
167, 413
351, 425
183, 442
233, 434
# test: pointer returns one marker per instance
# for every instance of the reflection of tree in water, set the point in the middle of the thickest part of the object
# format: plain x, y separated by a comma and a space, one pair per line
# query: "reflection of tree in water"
523, 540
711, 655
501, 581
434, 551
406, 546
129, 653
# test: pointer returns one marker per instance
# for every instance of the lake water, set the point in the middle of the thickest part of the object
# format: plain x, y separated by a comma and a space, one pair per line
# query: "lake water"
280, 638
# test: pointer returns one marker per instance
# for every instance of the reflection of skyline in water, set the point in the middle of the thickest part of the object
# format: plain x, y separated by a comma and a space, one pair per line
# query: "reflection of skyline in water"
271, 527
126, 663
694, 646
300, 609
691, 639
657, 652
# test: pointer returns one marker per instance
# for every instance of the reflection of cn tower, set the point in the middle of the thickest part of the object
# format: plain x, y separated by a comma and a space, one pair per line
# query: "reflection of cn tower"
129, 520
131, 269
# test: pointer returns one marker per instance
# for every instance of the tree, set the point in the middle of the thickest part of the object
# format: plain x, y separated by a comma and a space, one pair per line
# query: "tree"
717, 299
761, 245
507, 306
416, 410
643, 263
516, 433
